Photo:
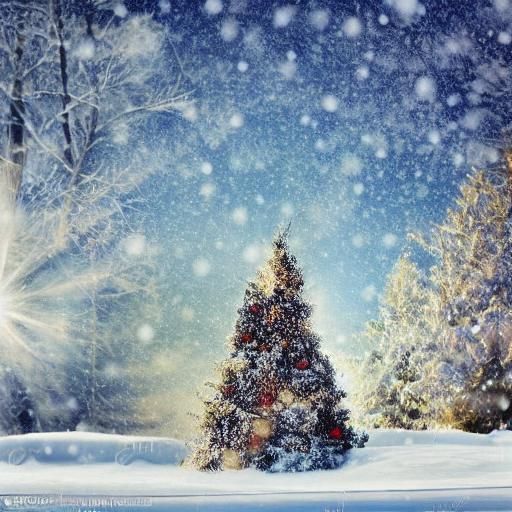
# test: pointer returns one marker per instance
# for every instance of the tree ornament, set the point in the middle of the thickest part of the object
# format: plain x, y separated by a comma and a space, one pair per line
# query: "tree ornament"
255, 442
246, 337
231, 459
286, 397
285, 344
336, 433
255, 309
266, 399
228, 389
303, 364
264, 347
262, 427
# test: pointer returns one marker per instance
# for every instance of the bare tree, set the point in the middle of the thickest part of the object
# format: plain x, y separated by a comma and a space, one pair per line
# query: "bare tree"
82, 82
19, 28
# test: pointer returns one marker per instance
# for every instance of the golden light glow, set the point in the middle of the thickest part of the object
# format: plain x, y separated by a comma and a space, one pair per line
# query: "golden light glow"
262, 428
231, 459
286, 397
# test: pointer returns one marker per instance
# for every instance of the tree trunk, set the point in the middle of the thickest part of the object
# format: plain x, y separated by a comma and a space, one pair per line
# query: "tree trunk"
16, 150
66, 98
73, 154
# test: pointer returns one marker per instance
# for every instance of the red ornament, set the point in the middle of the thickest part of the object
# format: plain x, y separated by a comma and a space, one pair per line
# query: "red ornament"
246, 337
255, 309
266, 399
336, 433
255, 442
303, 364
228, 389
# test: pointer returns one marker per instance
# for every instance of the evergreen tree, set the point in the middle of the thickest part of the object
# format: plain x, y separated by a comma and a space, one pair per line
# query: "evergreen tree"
443, 350
474, 282
277, 407
391, 385
17, 410
485, 402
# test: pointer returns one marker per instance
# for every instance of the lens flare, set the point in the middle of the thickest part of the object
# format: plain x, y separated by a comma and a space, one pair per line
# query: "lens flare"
3, 310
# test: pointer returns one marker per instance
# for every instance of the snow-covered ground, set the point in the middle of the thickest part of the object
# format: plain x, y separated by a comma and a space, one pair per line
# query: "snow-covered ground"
398, 470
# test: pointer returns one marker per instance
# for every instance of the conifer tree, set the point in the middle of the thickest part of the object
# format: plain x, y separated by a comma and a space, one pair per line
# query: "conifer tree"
17, 411
474, 282
391, 385
277, 406
485, 403
443, 349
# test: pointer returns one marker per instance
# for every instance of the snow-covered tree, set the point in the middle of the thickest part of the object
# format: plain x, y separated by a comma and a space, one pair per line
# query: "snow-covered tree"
81, 80
103, 376
444, 353
18, 414
277, 406
485, 401
391, 385
474, 282
90, 80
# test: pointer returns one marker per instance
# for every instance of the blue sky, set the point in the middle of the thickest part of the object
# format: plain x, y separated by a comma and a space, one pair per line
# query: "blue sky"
357, 121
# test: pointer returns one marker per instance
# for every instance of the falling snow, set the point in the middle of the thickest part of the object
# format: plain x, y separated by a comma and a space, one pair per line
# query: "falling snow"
355, 122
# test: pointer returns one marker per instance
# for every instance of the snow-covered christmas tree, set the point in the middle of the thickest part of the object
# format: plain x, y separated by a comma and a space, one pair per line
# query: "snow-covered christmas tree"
277, 406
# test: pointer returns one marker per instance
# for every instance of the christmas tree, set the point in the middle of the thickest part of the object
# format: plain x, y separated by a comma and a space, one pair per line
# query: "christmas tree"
277, 407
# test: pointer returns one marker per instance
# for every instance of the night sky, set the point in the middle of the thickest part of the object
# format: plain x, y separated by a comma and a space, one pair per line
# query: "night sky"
356, 121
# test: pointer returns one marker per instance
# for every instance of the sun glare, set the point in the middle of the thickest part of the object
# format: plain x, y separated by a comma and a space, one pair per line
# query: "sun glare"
3, 309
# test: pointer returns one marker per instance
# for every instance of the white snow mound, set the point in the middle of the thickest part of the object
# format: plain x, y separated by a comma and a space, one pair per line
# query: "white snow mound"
419, 467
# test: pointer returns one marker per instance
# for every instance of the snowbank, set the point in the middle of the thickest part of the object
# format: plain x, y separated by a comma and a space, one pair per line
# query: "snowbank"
89, 448
452, 469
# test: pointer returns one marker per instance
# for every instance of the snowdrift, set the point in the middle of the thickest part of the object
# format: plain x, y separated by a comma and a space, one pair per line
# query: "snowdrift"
398, 470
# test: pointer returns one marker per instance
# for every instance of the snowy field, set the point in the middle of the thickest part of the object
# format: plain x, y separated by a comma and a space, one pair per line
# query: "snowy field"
398, 470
